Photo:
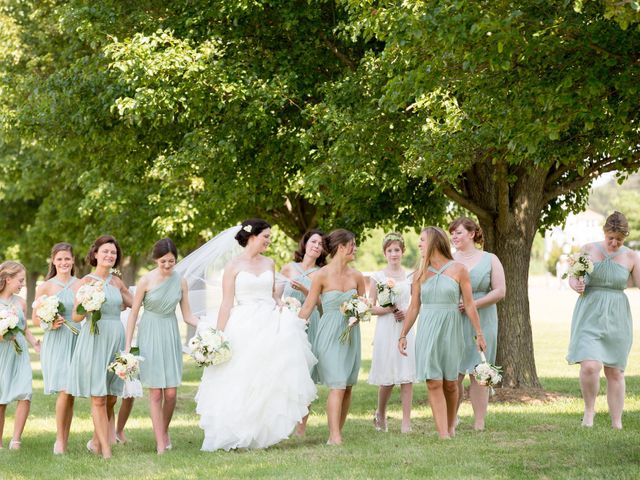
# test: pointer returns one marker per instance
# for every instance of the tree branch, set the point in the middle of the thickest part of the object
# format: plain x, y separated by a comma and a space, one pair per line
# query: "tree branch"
483, 215
341, 56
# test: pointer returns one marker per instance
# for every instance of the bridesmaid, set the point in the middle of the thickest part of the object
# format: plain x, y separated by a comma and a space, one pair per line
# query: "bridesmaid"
59, 342
15, 368
88, 376
338, 364
159, 291
488, 286
601, 327
308, 259
388, 367
440, 344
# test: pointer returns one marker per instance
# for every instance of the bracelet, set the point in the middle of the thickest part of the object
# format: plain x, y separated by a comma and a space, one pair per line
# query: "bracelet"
402, 338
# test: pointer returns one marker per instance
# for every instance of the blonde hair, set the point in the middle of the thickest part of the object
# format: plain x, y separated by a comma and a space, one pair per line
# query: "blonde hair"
437, 241
9, 269
617, 223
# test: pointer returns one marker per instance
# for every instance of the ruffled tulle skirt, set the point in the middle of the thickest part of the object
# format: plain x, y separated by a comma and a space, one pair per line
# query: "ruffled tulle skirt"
256, 399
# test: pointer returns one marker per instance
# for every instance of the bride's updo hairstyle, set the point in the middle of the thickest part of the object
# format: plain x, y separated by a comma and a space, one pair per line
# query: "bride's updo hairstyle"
617, 223
470, 226
333, 240
250, 228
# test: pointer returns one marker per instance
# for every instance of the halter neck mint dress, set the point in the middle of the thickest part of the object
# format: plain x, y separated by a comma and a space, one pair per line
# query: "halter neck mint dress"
15, 368
481, 286
58, 345
338, 364
601, 327
440, 340
159, 337
88, 376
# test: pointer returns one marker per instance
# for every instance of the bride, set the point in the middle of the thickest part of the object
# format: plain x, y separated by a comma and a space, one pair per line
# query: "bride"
256, 399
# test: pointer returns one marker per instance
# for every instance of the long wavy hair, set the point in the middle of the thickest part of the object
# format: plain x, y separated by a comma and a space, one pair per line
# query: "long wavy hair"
437, 241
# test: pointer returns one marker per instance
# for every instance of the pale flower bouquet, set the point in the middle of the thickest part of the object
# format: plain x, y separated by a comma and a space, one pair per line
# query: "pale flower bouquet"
48, 310
580, 265
356, 309
292, 304
387, 293
210, 347
487, 374
90, 297
9, 321
126, 365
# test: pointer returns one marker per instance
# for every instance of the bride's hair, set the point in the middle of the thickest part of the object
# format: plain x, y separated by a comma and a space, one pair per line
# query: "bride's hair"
250, 228
333, 240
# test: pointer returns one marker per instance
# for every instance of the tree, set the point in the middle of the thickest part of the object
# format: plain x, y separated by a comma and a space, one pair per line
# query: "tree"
510, 108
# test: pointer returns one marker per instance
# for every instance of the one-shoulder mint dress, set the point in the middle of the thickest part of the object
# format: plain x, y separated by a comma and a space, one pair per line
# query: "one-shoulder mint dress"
338, 363
312, 323
58, 345
15, 368
481, 286
601, 327
159, 337
88, 376
440, 340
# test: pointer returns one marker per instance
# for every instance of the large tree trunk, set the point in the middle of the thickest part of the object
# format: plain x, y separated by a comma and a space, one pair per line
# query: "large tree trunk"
32, 280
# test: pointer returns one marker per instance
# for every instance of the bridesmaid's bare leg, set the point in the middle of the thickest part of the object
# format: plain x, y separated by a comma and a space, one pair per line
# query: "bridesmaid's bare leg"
168, 407
123, 415
99, 412
157, 420
450, 388
589, 384
479, 395
406, 398
344, 411
22, 412
438, 407
334, 414
460, 390
615, 395
3, 411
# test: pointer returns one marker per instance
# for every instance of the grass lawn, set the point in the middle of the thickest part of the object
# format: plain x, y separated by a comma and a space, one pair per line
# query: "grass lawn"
529, 435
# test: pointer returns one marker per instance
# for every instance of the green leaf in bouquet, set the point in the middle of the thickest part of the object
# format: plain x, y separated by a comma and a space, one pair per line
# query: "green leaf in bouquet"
135, 351
61, 308
81, 310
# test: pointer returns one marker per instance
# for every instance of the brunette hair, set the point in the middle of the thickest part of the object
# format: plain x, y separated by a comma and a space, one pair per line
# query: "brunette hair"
9, 269
391, 237
162, 247
59, 247
617, 223
470, 226
437, 241
103, 239
250, 228
333, 240
298, 255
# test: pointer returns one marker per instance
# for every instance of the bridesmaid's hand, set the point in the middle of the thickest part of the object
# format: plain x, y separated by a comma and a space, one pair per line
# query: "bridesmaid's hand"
57, 323
481, 343
402, 346
36, 346
299, 287
461, 306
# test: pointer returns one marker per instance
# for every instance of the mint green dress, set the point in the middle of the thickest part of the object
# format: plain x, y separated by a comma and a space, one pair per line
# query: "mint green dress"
338, 364
159, 337
314, 318
440, 339
58, 345
601, 327
15, 368
88, 376
481, 285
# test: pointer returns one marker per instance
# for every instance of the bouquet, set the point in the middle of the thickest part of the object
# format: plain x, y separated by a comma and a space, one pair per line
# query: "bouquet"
209, 347
126, 365
356, 309
9, 321
90, 297
292, 304
387, 293
487, 374
48, 310
580, 265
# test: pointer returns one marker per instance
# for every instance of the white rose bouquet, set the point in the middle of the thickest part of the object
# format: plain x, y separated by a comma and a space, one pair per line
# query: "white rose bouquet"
292, 304
356, 309
387, 293
210, 347
580, 265
48, 310
90, 297
487, 374
9, 321
126, 365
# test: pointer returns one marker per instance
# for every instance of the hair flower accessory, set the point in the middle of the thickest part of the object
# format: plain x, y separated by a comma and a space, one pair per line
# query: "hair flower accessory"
247, 228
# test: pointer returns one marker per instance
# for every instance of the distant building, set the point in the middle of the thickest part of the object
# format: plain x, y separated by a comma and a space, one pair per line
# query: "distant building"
581, 228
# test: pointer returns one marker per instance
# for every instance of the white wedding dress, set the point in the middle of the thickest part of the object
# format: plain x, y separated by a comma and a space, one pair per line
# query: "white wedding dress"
256, 399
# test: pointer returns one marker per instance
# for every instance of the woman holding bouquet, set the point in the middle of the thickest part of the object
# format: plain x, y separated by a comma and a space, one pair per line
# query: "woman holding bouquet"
15, 369
388, 367
160, 291
338, 363
488, 286
308, 259
440, 343
601, 327
99, 341
59, 339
